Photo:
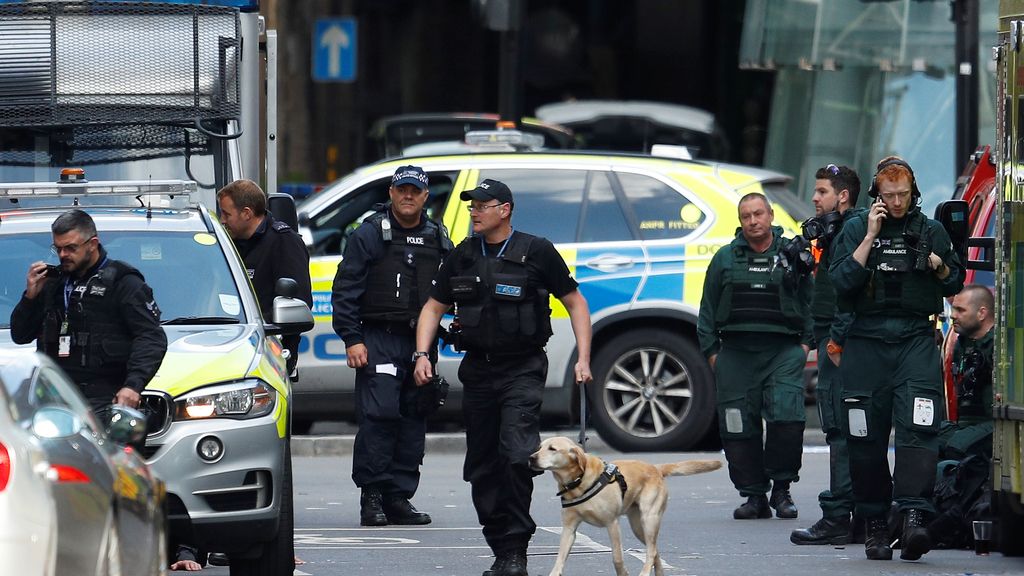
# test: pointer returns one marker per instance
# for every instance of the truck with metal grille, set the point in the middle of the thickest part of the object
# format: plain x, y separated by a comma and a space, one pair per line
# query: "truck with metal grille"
160, 104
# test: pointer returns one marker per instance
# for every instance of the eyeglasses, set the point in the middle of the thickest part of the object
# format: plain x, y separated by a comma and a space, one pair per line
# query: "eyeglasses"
833, 169
889, 197
481, 208
69, 248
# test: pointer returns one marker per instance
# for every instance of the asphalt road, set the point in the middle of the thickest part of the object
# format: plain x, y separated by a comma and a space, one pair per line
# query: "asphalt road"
698, 537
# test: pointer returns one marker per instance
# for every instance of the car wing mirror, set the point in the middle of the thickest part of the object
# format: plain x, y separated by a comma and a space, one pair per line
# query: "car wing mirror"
55, 422
291, 316
953, 215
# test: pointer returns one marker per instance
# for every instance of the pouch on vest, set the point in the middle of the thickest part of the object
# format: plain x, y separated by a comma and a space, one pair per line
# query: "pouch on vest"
465, 288
470, 316
114, 348
528, 321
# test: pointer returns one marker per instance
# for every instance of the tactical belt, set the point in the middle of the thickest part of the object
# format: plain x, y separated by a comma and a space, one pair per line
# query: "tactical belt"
501, 356
393, 326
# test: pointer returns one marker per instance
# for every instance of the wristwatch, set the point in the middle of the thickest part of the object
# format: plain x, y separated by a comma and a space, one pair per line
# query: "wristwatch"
417, 355
833, 348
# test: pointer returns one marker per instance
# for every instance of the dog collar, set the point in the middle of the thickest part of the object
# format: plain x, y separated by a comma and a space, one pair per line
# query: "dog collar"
610, 472
571, 486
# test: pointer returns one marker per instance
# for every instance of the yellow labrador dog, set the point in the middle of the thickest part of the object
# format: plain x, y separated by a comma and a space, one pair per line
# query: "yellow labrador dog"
598, 493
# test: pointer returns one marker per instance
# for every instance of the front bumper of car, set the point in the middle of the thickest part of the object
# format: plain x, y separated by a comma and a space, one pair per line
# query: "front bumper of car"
227, 501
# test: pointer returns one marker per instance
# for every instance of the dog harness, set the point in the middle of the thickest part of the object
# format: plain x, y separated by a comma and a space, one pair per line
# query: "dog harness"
610, 472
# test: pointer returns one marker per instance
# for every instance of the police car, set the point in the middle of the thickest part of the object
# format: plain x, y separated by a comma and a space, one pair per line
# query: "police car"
637, 232
218, 408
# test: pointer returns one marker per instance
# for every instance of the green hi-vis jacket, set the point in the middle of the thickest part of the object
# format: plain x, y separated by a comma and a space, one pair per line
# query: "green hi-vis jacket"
889, 297
828, 319
745, 292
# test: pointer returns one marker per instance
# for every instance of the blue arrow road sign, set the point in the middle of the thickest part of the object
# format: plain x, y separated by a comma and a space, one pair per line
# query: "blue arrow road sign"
334, 50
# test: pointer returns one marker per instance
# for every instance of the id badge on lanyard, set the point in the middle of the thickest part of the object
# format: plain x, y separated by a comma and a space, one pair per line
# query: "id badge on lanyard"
64, 339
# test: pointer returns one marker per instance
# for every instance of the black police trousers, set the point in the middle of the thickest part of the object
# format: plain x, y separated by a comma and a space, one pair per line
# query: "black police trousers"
390, 441
501, 406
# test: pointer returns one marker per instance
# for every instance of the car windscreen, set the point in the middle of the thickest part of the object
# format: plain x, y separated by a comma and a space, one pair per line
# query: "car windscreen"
188, 271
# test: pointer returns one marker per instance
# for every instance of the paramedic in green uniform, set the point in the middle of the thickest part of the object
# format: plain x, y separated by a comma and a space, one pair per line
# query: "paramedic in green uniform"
891, 267
973, 315
836, 190
755, 330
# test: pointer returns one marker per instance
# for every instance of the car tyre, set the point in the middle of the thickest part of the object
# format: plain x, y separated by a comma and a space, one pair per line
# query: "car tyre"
278, 555
652, 391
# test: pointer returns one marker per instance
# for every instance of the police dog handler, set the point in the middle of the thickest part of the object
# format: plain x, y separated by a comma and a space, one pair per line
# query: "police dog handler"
755, 330
390, 261
499, 280
95, 317
891, 268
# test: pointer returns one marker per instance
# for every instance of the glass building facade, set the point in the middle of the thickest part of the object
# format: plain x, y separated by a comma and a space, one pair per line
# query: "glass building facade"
856, 81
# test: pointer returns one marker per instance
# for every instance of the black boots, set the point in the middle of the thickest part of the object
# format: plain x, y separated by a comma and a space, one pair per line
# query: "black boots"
371, 508
376, 510
782, 502
508, 563
825, 531
399, 510
876, 541
755, 507
915, 541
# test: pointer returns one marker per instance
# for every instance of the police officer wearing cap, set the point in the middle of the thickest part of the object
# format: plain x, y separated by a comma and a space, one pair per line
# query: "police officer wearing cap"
499, 281
270, 249
385, 277
836, 189
891, 267
96, 317
754, 327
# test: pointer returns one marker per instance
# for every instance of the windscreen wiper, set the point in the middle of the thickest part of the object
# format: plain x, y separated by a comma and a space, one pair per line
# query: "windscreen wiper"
200, 320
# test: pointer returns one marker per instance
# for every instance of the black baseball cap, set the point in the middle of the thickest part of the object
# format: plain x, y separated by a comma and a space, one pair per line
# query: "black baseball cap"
489, 190
410, 175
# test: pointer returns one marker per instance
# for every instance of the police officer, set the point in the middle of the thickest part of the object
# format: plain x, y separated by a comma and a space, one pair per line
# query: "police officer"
389, 263
973, 320
96, 317
270, 249
499, 280
755, 329
836, 189
891, 267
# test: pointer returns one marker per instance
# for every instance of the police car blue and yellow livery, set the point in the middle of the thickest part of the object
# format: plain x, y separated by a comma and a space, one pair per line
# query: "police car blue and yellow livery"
637, 232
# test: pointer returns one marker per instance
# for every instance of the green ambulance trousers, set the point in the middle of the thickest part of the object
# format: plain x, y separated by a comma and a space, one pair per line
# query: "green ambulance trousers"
837, 500
884, 384
760, 376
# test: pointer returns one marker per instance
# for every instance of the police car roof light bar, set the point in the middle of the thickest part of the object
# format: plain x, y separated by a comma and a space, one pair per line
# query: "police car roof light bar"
513, 138
155, 193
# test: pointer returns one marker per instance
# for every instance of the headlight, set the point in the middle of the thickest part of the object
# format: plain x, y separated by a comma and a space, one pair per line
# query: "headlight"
245, 399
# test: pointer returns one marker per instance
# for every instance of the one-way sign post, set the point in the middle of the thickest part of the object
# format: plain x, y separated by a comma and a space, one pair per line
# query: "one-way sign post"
334, 50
